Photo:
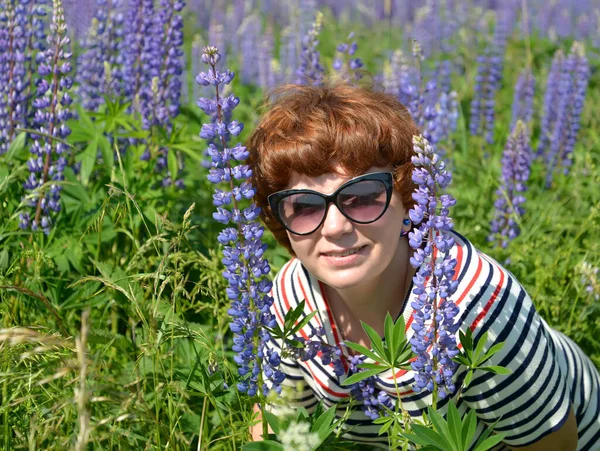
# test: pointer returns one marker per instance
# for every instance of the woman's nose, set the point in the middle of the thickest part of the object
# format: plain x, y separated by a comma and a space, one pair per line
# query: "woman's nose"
335, 224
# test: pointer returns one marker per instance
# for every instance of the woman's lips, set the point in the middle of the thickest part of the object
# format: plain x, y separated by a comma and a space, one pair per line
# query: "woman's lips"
338, 258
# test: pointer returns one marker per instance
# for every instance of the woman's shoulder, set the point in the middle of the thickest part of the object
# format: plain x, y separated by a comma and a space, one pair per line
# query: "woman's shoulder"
486, 290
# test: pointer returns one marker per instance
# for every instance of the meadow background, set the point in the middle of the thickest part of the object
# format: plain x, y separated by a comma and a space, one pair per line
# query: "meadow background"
114, 330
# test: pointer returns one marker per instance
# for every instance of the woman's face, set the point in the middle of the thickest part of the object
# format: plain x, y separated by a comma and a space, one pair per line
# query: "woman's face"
325, 252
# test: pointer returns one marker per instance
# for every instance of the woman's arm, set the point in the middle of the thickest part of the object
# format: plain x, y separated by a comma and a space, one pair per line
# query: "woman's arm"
564, 439
256, 430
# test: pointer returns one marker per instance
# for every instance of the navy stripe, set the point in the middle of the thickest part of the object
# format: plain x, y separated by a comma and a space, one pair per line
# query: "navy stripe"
509, 358
524, 406
509, 381
537, 427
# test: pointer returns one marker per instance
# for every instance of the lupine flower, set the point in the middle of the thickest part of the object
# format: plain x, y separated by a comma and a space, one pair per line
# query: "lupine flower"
100, 54
434, 111
266, 75
516, 164
550, 102
487, 82
52, 103
571, 98
374, 401
523, 98
484, 98
347, 66
246, 267
310, 70
138, 50
288, 54
250, 31
434, 340
17, 19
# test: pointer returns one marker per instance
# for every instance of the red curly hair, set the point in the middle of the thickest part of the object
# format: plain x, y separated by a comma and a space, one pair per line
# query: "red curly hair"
312, 130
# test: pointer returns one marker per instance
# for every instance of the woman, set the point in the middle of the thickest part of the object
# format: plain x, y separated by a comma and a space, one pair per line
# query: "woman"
350, 263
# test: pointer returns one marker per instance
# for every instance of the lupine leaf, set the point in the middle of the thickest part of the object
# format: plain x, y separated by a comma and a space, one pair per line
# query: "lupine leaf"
303, 323
291, 317
454, 425
361, 376
265, 445
496, 369
88, 161
460, 358
399, 333
363, 350
107, 152
272, 420
490, 352
387, 423
489, 443
426, 436
371, 366
172, 165
16, 146
480, 346
323, 425
376, 342
439, 423
468, 378
468, 429
388, 331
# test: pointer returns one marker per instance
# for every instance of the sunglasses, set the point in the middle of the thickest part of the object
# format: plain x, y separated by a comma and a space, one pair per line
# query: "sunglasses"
363, 200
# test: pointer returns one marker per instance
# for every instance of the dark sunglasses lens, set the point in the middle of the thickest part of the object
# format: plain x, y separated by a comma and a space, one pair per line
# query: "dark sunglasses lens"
364, 201
302, 212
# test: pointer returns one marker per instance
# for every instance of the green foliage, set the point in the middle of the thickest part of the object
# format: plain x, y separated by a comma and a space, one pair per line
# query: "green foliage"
393, 354
452, 434
474, 356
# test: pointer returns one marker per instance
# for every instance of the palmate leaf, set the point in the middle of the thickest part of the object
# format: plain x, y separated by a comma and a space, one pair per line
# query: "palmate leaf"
425, 436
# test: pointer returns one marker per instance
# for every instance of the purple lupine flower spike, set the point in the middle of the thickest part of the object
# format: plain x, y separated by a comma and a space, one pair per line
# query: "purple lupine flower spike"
434, 325
52, 104
571, 97
516, 164
16, 18
310, 70
347, 66
550, 102
98, 73
246, 267
581, 76
523, 98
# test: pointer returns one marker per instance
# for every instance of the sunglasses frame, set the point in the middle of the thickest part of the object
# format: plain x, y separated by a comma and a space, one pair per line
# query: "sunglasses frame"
275, 199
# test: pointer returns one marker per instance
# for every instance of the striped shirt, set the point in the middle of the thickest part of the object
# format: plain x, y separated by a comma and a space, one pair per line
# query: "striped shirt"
549, 372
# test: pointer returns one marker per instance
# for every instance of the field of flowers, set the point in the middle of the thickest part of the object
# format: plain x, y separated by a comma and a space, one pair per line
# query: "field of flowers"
131, 315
